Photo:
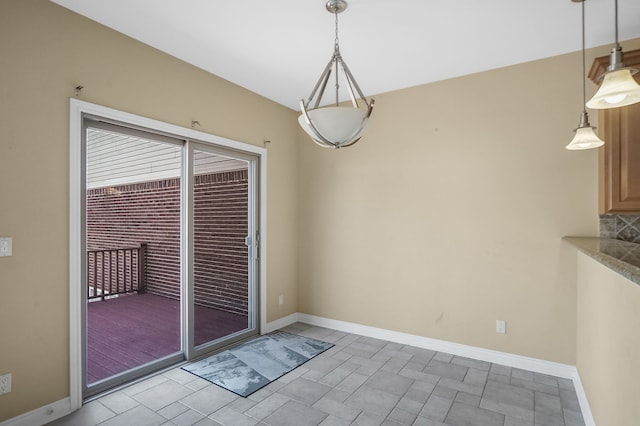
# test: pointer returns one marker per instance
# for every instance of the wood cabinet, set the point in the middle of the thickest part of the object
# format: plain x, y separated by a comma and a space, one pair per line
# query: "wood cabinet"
620, 156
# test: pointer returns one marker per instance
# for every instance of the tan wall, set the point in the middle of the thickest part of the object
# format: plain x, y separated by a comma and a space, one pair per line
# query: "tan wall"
449, 213
447, 216
608, 343
45, 51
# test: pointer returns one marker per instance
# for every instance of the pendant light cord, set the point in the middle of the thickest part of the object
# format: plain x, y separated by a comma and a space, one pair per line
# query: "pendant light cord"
616, 13
336, 48
336, 44
584, 67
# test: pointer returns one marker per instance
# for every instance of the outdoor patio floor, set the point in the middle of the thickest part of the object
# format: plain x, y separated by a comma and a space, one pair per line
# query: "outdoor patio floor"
129, 331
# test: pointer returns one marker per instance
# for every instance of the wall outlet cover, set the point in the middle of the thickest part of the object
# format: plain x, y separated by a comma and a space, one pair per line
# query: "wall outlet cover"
5, 383
6, 246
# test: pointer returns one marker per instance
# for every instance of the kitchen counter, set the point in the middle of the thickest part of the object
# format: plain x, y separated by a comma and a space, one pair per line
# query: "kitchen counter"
622, 257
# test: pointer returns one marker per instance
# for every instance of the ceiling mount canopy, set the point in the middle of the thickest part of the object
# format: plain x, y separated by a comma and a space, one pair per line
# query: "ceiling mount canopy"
585, 137
335, 126
336, 6
618, 87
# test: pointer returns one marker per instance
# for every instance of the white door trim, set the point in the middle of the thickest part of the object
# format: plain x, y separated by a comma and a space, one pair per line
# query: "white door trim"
78, 109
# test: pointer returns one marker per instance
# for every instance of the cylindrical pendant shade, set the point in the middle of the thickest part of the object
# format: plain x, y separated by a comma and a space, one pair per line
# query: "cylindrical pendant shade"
585, 138
617, 89
340, 126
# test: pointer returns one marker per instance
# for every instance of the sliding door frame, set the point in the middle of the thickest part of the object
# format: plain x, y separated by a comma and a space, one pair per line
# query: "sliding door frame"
78, 110
188, 231
166, 361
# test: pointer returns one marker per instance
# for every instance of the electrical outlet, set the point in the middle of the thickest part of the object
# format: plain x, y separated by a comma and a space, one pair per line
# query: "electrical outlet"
501, 326
281, 299
5, 383
6, 246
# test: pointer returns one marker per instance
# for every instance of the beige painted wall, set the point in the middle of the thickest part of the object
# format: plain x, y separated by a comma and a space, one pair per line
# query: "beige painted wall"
449, 213
608, 343
45, 51
445, 217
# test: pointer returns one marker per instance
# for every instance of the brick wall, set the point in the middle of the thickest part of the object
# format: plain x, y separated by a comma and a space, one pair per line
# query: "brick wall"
127, 215
220, 227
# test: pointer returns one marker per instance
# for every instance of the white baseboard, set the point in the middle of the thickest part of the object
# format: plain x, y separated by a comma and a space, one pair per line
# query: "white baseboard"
279, 323
42, 415
504, 358
511, 360
584, 402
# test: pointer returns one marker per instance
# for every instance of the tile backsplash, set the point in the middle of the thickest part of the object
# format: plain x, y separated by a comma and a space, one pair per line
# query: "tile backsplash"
621, 227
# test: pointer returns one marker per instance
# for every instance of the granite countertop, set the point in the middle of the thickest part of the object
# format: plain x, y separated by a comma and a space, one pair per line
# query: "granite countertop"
621, 256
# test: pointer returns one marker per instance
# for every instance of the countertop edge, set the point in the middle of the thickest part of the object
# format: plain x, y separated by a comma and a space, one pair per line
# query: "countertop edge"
593, 247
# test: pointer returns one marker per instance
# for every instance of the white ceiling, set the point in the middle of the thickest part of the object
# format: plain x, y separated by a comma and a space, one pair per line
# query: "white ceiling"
279, 48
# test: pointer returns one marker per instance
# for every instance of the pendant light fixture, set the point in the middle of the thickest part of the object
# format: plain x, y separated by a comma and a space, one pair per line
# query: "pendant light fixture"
335, 126
618, 87
585, 137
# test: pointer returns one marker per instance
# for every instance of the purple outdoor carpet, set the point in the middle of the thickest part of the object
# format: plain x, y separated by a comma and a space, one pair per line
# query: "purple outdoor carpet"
130, 331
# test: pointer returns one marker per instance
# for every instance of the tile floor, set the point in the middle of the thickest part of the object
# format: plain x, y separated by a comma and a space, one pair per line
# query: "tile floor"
360, 381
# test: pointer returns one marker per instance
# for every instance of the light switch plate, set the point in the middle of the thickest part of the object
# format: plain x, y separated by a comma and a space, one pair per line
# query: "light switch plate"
6, 246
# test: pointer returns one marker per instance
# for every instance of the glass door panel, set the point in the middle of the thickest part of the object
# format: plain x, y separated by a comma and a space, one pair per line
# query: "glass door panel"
132, 236
222, 285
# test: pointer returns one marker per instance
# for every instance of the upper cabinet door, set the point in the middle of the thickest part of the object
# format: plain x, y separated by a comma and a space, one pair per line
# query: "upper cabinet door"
620, 156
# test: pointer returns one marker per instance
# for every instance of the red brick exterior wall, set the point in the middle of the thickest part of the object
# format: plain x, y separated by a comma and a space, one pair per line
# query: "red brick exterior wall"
127, 215
220, 204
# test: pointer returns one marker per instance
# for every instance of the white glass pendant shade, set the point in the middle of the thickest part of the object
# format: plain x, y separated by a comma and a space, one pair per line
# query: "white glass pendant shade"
585, 138
340, 126
618, 89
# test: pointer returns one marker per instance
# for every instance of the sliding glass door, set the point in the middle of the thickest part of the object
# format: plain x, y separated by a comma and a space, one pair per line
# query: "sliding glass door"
222, 303
170, 236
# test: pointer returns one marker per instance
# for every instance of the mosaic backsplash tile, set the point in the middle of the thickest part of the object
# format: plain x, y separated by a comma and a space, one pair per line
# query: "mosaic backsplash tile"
620, 227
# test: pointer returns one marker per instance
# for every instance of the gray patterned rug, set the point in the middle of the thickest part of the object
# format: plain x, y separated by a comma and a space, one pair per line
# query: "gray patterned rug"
252, 365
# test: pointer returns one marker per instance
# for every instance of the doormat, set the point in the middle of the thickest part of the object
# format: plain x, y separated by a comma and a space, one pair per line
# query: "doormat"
252, 365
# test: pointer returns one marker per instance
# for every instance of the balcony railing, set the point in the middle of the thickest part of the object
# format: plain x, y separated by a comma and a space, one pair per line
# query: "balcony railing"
111, 272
